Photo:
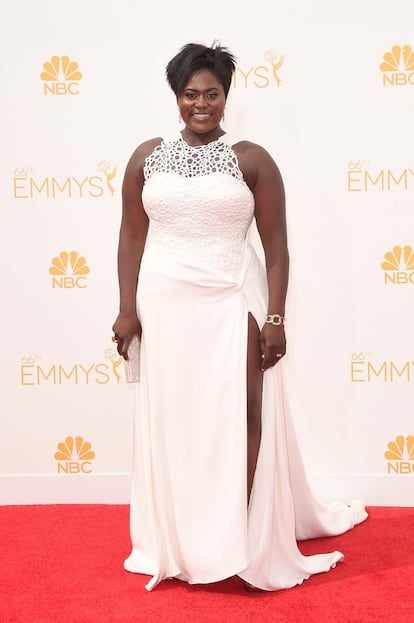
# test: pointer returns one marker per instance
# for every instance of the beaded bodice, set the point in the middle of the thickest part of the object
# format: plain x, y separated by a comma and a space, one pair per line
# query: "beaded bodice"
198, 204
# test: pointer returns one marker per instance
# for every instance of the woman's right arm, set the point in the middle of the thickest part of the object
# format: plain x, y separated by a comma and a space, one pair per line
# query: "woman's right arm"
132, 236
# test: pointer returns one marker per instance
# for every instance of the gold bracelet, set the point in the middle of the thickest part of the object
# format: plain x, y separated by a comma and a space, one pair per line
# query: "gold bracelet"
275, 319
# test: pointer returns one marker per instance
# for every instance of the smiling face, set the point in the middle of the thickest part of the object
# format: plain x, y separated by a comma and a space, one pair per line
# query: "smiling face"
202, 103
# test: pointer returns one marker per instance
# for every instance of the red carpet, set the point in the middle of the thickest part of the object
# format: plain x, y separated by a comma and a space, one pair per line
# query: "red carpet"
63, 564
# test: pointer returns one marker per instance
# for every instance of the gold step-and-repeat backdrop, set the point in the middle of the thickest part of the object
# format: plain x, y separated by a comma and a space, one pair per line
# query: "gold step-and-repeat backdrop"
328, 89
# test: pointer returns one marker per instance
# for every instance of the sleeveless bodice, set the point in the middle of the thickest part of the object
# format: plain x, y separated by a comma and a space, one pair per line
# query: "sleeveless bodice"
198, 204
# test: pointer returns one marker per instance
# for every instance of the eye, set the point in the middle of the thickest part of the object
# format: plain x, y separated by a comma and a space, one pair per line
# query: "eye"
212, 96
190, 95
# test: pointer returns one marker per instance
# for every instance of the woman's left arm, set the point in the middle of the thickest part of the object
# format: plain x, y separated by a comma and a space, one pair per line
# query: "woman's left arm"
269, 194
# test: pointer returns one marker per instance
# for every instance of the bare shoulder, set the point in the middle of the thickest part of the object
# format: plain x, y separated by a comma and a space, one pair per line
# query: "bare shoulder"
133, 181
137, 159
251, 150
255, 162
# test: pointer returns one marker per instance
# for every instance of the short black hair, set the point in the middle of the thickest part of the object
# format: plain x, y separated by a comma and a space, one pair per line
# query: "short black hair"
192, 56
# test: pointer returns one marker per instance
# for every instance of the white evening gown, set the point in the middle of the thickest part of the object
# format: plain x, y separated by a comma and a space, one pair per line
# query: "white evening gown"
199, 279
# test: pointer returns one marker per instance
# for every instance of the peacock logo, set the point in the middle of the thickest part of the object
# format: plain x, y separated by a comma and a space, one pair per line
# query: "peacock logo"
398, 66
69, 270
74, 456
60, 76
400, 455
60, 68
398, 59
398, 266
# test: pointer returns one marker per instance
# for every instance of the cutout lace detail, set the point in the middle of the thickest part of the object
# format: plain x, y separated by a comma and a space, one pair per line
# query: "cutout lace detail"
176, 156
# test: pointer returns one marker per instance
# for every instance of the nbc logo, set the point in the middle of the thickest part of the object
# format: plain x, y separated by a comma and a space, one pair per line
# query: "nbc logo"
74, 456
68, 270
399, 265
400, 455
60, 76
398, 66
260, 76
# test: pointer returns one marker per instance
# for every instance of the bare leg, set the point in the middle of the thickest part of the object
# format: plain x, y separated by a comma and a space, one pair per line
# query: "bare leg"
254, 400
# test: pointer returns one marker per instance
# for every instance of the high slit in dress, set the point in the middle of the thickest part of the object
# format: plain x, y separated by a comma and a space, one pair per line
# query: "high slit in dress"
199, 278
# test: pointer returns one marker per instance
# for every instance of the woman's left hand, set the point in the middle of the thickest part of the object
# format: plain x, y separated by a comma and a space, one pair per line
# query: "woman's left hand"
272, 345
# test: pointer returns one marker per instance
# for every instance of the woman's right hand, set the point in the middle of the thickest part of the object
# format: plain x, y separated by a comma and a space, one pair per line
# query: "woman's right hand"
125, 327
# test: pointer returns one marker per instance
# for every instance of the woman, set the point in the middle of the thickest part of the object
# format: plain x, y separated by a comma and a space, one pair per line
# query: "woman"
206, 504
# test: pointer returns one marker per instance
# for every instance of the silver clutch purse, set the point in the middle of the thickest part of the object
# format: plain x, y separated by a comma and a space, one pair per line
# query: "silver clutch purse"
132, 366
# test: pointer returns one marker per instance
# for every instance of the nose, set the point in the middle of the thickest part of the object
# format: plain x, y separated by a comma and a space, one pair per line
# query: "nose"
201, 101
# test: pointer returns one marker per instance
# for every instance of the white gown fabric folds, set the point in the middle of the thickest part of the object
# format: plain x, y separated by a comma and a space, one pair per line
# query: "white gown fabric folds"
199, 279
